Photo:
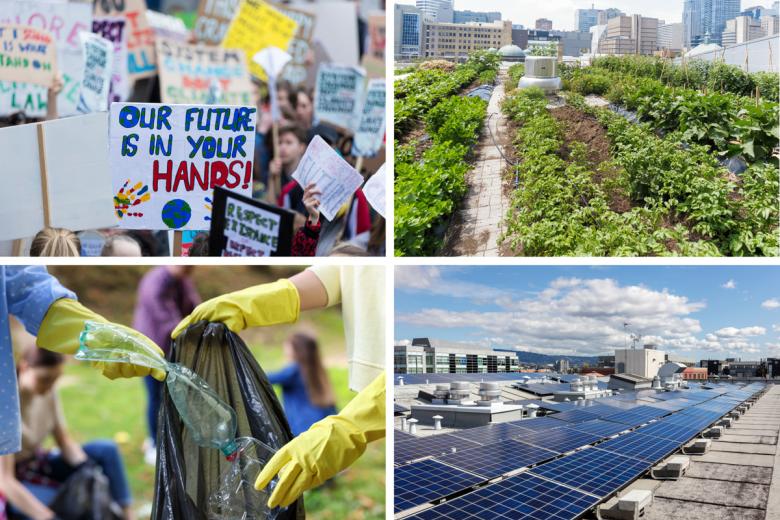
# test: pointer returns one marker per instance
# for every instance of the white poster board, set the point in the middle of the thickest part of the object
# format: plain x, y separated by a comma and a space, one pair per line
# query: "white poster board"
370, 130
264, 234
114, 29
166, 160
375, 189
338, 95
98, 67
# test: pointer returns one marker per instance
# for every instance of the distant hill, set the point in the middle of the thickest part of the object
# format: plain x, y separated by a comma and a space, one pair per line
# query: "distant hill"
546, 359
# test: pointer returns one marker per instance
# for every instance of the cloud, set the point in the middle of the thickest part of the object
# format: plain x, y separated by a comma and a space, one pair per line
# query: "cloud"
428, 279
731, 284
772, 303
733, 332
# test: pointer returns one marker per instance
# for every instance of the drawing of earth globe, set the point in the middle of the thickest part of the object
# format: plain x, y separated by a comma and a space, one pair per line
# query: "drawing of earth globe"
176, 213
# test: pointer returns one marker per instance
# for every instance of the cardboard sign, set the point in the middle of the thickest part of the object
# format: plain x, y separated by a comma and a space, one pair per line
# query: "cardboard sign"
113, 30
167, 26
187, 73
371, 129
257, 26
338, 95
98, 56
375, 189
60, 176
214, 17
335, 178
167, 159
300, 47
241, 226
141, 61
63, 21
27, 54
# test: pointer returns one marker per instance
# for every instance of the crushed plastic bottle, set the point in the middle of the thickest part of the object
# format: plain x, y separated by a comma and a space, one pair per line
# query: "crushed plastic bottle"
210, 420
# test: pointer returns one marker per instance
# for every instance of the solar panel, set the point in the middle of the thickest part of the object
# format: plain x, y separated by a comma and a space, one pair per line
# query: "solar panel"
575, 416
600, 427
560, 439
428, 480
694, 422
490, 433
522, 497
497, 459
545, 388
668, 430
645, 447
636, 416
538, 424
401, 436
594, 471
428, 446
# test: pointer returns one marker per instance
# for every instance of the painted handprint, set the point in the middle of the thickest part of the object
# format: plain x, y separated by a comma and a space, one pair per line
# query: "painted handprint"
208, 206
128, 198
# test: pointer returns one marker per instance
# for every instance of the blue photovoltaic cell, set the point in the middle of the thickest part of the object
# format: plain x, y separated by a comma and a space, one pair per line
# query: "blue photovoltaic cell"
575, 416
544, 388
645, 447
427, 446
400, 436
428, 480
636, 416
522, 497
497, 459
695, 422
593, 471
600, 427
490, 433
667, 430
560, 439
538, 424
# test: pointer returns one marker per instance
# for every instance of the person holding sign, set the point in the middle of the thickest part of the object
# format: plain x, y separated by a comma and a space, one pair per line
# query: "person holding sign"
334, 443
292, 145
306, 238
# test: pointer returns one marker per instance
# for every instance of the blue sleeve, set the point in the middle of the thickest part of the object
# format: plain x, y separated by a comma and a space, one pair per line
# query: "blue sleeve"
30, 291
285, 377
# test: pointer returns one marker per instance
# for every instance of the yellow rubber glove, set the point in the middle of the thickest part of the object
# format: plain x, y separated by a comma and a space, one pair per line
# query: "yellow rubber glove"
326, 448
258, 306
60, 330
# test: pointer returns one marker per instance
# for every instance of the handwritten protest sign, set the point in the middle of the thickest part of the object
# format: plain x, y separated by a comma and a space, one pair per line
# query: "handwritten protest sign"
113, 30
64, 21
241, 226
140, 35
338, 94
214, 17
374, 189
257, 26
188, 71
27, 54
59, 172
335, 178
296, 71
371, 128
167, 159
98, 54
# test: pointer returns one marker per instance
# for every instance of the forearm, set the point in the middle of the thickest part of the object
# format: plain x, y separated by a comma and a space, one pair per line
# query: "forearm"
311, 292
23, 500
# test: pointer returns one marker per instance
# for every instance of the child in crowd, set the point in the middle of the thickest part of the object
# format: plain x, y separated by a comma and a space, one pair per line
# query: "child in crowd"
304, 107
55, 242
121, 245
292, 146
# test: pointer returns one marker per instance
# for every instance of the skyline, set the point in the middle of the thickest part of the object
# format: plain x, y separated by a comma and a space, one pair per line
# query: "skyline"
695, 312
561, 12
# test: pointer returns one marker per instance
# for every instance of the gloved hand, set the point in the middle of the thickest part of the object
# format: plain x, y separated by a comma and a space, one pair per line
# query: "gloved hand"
326, 448
62, 326
261, 305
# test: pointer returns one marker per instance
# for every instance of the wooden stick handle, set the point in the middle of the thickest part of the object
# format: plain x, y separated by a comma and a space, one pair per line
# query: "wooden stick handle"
177, 240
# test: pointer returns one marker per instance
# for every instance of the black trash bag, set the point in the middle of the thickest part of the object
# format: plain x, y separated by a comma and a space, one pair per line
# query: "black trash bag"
186, 474
85, 495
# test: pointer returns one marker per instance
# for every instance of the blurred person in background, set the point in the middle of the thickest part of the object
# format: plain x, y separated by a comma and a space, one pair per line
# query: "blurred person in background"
304, 107
121, 245
55, 242
166, 294
292, 145
306, 390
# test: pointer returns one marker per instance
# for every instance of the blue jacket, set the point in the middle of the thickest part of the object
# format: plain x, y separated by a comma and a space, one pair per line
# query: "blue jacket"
301, 413
27, 292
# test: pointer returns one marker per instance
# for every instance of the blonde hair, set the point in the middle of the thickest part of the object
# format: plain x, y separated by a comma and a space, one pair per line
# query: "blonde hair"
55, 242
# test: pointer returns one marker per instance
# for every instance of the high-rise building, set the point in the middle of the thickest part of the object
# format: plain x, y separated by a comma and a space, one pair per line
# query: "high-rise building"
476, 16
408, 31
692, 22
740, 30
757, 11
437, 10
705, 20
456, 40
543, 24
606, 15
584, 19
574, 43
770, 25
671, 36
634, 34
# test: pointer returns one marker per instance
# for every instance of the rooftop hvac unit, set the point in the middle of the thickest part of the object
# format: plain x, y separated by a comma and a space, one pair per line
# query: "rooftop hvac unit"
541, 71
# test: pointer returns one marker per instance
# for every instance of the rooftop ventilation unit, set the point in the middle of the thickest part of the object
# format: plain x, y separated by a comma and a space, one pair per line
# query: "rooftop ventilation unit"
541, 71
489, 393
459, 392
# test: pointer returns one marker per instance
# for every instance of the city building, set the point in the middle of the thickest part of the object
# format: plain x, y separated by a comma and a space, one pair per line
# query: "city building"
671, 36
756, 11
437, 10
630, 35
543, 24
520, 36
770, 25
454, 40
694, 374
562, 366
639, 362
606, 361
705, 20
773, 367
426, 356
740, 30
744, 369
584, 19
408, 31
607, 14
573, 43
713, 366
476, 16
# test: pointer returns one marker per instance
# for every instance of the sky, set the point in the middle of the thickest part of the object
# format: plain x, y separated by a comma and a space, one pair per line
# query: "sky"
696, 312
561, 12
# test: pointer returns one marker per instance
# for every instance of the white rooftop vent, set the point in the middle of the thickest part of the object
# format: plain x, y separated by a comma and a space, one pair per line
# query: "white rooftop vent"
542, 72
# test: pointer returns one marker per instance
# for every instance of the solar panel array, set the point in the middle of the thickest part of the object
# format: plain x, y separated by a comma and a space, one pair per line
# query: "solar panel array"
558, 485
423, 379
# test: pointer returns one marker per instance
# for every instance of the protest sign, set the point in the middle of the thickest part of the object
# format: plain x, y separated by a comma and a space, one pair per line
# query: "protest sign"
296, 71
95, 86
187, 73
214, 17
337, 95
113, 30
374, 189
27, 54
374, 58
167, 159
241, 226
336, 180
257, 26
167, 26
371, 128
60, 176
63, 21
140, 35
273, 60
